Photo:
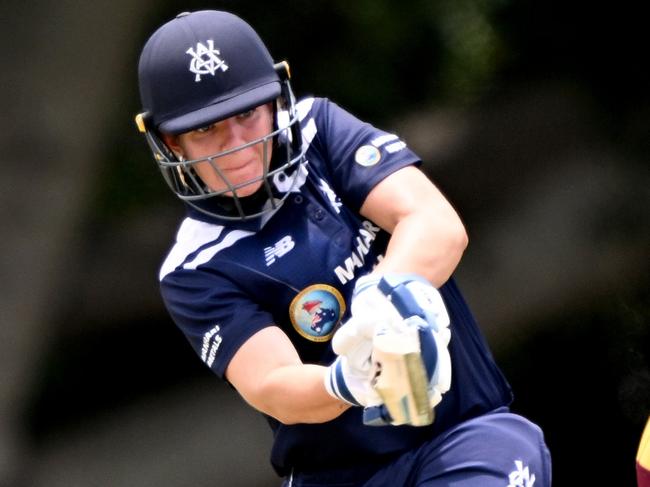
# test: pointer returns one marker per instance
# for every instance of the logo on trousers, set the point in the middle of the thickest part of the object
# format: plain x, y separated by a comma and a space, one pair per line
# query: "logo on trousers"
521, 476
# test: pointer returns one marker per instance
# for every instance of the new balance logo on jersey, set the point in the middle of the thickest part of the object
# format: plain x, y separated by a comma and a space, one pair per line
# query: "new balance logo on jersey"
205, 60
521, 476
284, 245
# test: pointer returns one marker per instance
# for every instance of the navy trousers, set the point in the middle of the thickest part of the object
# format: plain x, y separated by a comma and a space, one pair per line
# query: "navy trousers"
499, 449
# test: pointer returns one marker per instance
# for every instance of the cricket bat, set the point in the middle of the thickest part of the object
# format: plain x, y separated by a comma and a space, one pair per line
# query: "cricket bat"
400, 376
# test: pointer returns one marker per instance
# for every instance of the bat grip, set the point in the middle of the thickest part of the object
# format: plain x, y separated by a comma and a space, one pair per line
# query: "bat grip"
376, 416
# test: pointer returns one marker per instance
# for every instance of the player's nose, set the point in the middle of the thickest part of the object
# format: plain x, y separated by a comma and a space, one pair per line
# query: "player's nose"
234, 133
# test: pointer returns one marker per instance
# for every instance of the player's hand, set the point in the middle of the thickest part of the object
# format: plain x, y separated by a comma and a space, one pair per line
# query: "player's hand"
350, 378
369, 310
400, 325
411, 363
351, 384
395, 343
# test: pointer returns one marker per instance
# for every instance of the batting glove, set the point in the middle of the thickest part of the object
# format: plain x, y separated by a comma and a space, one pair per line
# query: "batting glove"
349, 377
369, 310
410, 355
350, 384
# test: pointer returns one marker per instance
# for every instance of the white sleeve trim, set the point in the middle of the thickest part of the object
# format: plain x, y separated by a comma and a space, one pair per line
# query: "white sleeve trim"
191, 235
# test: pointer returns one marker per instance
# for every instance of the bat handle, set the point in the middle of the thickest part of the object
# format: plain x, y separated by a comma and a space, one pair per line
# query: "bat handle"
376, 416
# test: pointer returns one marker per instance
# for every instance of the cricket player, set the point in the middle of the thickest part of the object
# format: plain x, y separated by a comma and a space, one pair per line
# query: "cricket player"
313, 272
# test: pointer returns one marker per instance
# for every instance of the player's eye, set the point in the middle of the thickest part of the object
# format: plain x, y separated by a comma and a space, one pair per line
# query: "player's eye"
246, 114
205, 129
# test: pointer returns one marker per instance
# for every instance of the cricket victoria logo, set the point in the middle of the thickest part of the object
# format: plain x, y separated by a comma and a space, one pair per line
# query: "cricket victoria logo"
205, 60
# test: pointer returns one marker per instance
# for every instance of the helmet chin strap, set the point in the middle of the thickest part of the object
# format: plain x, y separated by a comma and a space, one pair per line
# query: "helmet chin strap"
249, 204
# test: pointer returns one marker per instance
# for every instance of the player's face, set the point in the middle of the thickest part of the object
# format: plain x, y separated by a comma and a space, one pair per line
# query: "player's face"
239, 166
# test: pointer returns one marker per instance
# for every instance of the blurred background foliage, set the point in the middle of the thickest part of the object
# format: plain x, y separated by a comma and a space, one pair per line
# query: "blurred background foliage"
532, 116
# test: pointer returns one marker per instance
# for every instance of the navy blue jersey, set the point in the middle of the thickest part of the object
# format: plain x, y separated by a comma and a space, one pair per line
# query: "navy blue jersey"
223, 282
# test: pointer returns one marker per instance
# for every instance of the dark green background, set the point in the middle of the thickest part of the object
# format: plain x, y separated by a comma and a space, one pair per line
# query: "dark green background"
531, 116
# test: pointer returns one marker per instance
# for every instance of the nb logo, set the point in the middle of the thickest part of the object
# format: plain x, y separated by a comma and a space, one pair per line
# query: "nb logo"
205, 60
283, 246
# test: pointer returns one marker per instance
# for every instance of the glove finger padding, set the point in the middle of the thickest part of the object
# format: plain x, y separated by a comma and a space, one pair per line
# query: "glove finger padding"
369, 310
354, 340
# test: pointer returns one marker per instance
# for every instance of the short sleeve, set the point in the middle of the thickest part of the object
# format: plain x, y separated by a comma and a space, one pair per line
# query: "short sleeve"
358, 154
213, 313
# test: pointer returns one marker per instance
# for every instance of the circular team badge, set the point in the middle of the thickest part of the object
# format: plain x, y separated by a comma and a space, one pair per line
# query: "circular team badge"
367, 155
316, 311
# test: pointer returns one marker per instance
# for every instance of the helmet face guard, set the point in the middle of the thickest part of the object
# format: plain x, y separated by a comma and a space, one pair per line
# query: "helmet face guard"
281, 169
201, 68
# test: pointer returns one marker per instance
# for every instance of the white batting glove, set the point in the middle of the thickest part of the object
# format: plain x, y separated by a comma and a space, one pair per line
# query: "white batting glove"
396, 319
369, 310
349, 384
413, 366
349, 377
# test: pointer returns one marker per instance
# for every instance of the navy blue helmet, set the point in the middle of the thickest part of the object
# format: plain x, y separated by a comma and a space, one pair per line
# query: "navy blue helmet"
203, 67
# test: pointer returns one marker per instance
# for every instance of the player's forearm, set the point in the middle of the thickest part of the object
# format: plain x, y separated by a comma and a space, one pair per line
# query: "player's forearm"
296, 394
427, 235
428, 242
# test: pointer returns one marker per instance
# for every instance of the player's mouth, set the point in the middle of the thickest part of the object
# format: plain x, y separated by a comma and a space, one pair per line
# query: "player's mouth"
241, 169
237, 166
239, 173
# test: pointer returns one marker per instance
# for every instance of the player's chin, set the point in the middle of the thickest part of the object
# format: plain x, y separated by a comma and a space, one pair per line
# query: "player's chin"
248, 189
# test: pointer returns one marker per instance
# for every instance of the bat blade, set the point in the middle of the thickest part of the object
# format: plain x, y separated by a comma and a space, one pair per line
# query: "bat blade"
401, 379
